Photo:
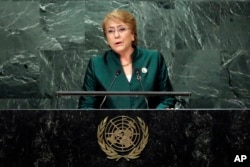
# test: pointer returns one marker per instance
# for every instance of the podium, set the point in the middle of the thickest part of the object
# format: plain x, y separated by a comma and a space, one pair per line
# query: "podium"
183, 137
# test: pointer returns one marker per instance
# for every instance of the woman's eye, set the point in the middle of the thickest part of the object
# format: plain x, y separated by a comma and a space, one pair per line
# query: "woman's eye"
122, 29
111, 31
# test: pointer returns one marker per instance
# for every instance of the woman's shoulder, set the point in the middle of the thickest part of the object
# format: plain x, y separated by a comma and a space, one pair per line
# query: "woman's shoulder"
148, 51
98, 57
150, 54
101, 58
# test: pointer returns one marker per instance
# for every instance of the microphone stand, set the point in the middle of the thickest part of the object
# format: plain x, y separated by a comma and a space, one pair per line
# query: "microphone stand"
118, 72
139, 78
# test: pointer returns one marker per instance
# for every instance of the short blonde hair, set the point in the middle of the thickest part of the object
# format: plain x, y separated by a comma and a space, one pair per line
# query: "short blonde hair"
124, 16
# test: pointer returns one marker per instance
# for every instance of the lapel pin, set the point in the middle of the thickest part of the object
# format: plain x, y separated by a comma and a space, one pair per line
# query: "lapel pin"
144, 70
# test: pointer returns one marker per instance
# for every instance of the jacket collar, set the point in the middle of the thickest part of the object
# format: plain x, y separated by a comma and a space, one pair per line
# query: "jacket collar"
135, 54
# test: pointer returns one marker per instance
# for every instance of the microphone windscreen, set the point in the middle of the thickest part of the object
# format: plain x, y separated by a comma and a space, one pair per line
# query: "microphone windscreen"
118, 72
137, 71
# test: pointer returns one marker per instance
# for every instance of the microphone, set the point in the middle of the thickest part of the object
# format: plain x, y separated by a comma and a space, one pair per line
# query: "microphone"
137, 71
118, 72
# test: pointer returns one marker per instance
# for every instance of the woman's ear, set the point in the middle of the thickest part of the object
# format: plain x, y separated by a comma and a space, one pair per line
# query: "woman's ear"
133, 38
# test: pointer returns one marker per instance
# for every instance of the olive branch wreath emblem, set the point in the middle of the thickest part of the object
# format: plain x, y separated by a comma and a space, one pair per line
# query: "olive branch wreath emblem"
111, 153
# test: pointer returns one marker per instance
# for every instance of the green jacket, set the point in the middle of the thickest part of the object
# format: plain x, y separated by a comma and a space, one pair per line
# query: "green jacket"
101, 72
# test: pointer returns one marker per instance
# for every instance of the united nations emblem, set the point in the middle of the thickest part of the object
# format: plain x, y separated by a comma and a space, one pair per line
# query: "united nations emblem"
122, 137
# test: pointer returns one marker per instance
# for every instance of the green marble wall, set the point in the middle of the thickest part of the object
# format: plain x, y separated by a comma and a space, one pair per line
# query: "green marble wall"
45, 46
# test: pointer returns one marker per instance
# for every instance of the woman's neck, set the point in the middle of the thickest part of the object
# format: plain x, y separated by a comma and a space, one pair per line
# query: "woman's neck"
127, 56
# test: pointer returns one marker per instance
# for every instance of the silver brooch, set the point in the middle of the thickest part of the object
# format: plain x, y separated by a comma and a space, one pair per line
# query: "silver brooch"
144, 70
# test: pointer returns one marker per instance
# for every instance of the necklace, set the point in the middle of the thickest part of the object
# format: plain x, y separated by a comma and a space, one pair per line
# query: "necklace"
126, 64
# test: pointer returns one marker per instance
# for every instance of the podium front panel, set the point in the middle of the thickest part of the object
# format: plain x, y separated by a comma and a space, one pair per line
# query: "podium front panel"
131, 138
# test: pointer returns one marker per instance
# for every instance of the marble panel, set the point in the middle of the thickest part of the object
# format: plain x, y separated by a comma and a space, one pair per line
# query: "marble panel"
62, 24
45, 46
19, 26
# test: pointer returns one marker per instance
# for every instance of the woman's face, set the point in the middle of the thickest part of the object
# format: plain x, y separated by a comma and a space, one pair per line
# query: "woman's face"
119, 36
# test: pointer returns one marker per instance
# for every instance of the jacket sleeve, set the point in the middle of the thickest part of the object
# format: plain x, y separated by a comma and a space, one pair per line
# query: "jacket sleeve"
89, 84
164, 85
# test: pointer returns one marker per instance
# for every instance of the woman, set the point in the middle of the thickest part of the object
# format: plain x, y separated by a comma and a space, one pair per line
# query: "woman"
125, 68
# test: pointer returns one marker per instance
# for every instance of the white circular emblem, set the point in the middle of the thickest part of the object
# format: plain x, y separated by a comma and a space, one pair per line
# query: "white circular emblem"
144, 70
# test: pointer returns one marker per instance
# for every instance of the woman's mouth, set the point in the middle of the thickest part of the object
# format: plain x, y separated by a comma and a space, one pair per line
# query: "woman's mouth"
118, 43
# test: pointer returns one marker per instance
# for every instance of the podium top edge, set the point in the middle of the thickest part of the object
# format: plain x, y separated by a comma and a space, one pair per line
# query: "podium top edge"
95, 93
